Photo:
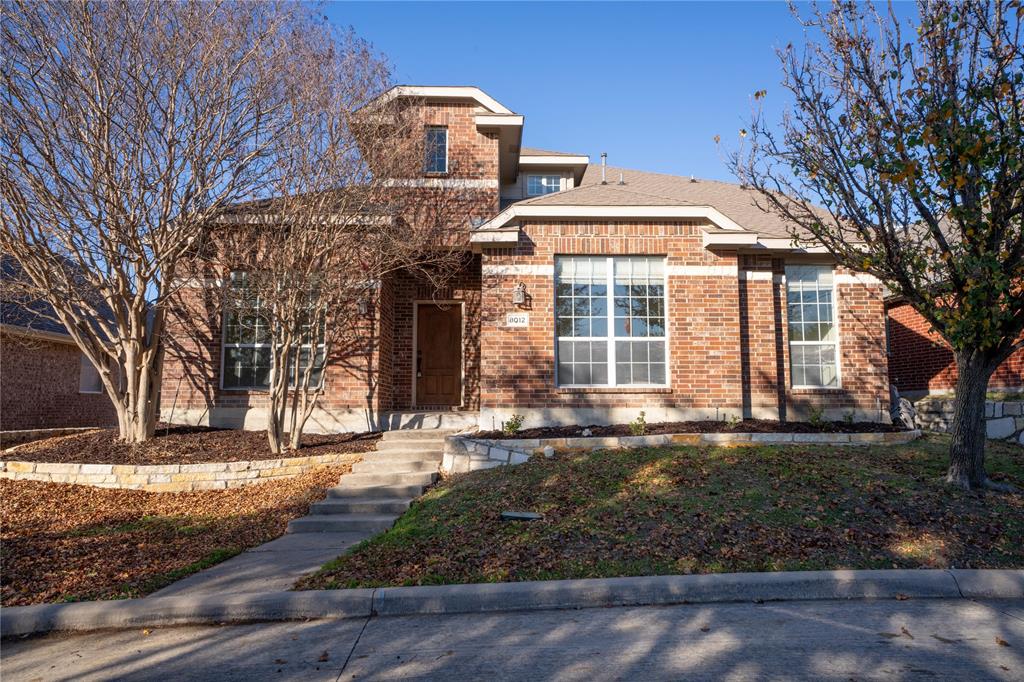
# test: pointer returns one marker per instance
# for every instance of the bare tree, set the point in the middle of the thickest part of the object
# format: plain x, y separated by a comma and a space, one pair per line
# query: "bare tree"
904, 157
302, 271
125, 128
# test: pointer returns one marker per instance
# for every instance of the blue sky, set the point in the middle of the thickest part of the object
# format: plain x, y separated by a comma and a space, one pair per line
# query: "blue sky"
649, 83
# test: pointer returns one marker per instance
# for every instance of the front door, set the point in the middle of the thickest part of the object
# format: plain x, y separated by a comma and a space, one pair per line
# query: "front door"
438, 355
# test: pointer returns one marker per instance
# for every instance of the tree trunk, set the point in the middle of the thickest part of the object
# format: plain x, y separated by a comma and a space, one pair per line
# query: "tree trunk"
133, 389
967, 450
275, 400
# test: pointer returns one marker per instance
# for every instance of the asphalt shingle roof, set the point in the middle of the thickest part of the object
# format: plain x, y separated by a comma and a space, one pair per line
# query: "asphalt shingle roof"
642, 188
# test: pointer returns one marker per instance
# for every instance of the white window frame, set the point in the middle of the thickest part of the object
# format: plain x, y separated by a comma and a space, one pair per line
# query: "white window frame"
426, 133
835, 323
85, 365
610, 338
542, 176
224, 345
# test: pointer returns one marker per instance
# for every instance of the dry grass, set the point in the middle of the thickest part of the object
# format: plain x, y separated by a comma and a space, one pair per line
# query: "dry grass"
698, 510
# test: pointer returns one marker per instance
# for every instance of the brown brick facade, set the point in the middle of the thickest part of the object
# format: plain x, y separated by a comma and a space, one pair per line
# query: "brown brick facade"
727, 347
921, 362
39, 381
726, 327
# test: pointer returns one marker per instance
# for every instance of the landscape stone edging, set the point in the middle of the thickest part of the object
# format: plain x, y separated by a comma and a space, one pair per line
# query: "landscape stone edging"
521, 596
1004, 419
22, 437
464, 453
168, 477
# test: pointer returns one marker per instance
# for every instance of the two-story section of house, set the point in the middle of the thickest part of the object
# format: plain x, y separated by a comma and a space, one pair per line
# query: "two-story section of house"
590, 293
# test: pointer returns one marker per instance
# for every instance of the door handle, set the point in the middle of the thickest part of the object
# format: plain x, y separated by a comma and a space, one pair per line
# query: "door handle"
419, 363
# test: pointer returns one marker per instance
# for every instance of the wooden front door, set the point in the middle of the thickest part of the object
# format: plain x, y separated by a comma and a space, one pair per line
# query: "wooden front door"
438, 355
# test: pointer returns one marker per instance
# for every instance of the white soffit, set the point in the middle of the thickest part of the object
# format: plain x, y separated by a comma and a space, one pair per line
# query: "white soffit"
538, 160
498, 120
626, 212
453, 92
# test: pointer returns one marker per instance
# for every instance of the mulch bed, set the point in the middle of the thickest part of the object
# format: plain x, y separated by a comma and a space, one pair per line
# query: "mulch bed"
65, 542
181, 445
698, 509
745, 426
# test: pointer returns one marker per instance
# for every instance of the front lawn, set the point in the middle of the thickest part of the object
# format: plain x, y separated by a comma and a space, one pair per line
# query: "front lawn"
698, 510
61, 542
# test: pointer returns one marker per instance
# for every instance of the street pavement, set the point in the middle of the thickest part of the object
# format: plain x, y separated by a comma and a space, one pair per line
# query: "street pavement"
821, 640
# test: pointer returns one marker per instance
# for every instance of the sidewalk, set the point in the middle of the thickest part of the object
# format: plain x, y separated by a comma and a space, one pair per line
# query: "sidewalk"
821, 640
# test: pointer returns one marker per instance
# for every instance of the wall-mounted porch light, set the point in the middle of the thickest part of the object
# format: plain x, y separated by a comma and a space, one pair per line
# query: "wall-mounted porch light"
519, 294
363, 306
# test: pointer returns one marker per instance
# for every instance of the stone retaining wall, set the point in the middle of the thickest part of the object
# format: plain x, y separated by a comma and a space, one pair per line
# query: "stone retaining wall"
464, 453
1004, 420
168, 477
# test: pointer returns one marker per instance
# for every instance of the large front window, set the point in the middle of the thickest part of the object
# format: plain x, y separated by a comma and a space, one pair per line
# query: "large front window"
813, 337
610, 321
247, 339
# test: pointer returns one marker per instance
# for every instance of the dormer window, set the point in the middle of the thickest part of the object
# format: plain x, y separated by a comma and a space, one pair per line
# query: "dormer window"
537, 185
436, 148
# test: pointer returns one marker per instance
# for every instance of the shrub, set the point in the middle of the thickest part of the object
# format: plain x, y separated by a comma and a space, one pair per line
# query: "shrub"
513, 425
638, 426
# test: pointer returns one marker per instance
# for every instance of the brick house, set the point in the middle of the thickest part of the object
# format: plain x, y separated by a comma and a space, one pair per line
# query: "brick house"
589, 293
921, 363
45, 381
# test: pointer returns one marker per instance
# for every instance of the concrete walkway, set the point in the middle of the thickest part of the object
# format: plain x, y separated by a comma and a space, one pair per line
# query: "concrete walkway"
270, 567
364, 503
826, 640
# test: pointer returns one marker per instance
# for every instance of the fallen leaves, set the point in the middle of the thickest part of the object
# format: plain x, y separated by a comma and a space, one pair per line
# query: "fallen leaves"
697, 510
66, 542
182, 445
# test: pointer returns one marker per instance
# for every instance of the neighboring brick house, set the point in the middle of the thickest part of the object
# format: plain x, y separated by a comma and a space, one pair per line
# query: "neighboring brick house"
921, 362
589, 293
45, 381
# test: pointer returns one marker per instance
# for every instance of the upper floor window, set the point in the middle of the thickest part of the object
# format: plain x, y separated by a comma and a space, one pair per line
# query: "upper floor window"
537, 185
813, 333
436, 150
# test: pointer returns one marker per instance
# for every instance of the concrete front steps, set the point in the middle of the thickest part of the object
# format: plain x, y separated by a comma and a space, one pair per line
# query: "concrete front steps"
381, 486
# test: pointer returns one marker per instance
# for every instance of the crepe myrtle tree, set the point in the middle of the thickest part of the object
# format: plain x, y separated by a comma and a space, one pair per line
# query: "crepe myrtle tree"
125, 128
301, 273
903, 154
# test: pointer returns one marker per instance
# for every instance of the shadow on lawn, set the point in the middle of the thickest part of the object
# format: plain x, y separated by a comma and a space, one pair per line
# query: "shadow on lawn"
698, 510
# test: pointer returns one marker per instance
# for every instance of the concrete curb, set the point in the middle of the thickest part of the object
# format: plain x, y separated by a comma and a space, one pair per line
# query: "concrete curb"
522, 596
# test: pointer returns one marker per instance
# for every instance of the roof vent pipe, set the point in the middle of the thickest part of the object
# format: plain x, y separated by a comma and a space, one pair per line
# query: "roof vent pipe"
604, 166
622, 180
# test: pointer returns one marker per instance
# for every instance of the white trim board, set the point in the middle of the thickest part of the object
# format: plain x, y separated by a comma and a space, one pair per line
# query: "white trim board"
625, 212
542, 160
448, 92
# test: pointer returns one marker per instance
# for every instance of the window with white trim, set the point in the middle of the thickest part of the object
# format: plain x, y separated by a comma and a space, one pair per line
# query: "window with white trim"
88, 378
538, 185
247, 338
610, 321
813, 333
436, 149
